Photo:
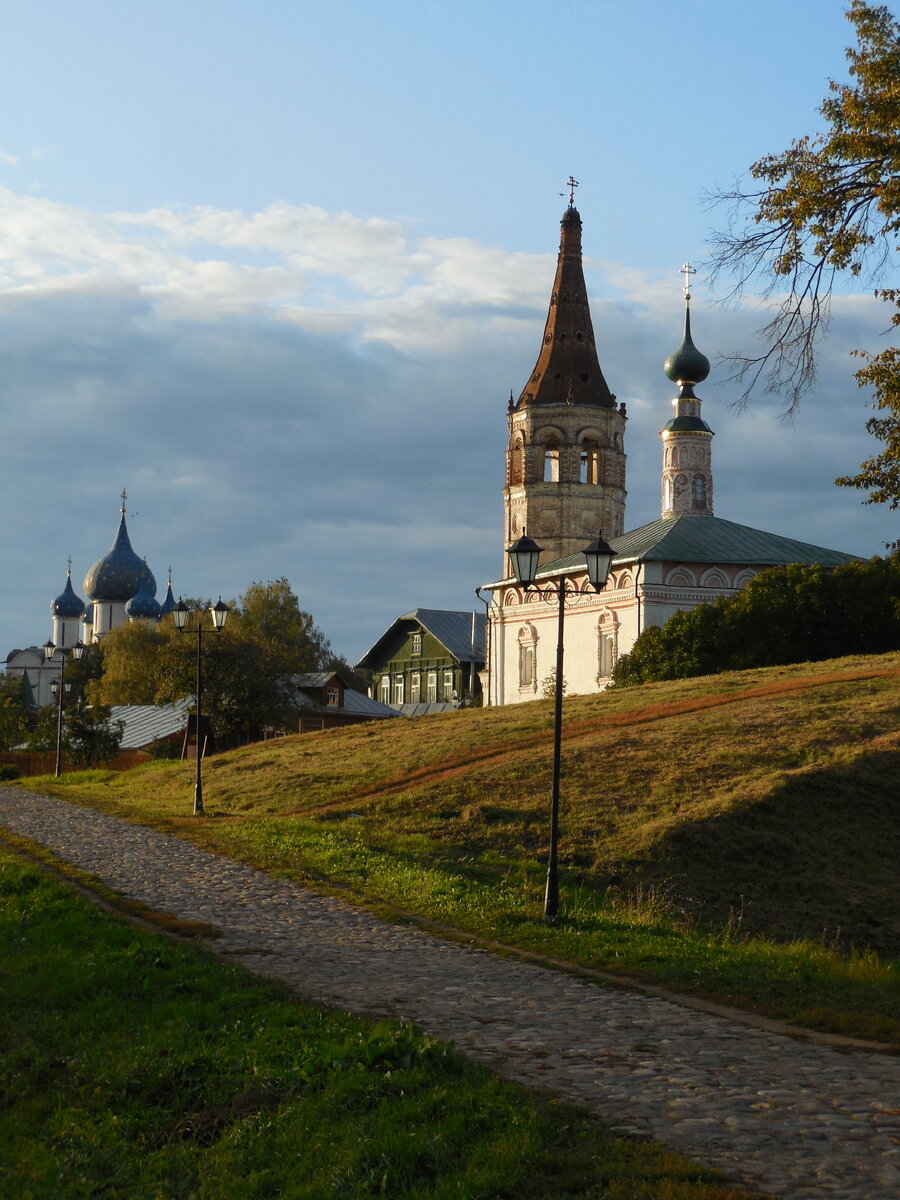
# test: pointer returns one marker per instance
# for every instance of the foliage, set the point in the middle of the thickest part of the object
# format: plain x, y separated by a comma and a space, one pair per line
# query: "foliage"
10, 772
830, 203
16, 710
788, 614
90, 736
82, 674
42, 734
128, 657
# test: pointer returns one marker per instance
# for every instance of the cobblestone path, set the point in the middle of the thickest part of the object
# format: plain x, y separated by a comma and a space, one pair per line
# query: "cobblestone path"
785, 1117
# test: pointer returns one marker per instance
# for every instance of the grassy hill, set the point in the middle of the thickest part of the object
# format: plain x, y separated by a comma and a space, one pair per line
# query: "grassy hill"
736, 836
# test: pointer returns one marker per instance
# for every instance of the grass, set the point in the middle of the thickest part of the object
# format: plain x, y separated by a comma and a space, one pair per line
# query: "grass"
735, 837
134, 1066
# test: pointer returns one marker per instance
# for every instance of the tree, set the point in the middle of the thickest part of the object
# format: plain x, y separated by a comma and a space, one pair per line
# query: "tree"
829, 204
128, 666
248, 666
16, 710
90, 737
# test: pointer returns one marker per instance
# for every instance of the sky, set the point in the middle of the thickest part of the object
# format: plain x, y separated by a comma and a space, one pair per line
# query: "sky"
274, 269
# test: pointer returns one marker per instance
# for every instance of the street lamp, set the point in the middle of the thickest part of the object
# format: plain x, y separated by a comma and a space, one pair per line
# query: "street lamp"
180, 612
524, 556
59, 687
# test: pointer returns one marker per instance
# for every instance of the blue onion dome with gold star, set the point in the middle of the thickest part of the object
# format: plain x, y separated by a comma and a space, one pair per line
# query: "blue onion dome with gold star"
144, 604
67, 604
118, 575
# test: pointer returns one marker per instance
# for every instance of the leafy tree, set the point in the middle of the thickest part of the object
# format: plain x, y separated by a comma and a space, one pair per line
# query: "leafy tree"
128, 657
16, 710
269, 614
248, 666
82, 673
90, 737
829, 204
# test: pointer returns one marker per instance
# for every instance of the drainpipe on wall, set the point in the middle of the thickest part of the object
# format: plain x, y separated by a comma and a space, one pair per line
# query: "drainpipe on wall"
487, 643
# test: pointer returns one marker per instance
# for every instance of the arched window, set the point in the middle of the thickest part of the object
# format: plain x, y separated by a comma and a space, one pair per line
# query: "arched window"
699, 492
517, 462
551, 463
590, 462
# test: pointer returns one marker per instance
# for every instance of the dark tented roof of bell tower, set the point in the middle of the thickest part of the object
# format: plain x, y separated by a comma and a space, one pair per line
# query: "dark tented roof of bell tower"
567, 370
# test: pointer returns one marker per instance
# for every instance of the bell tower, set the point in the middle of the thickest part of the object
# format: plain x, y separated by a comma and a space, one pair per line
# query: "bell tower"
565, 461
687, 482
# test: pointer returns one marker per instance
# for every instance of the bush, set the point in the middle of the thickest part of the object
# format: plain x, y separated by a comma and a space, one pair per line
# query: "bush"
10, 772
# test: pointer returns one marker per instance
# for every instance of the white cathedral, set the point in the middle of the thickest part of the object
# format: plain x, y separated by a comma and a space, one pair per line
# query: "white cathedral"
120, 588
565, 481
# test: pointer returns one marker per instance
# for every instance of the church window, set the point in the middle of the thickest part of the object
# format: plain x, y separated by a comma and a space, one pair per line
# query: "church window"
607, 660
526, 666
417, 643
398, 689
551, 464
699, 491
590, 462
667, 492
517, 463
431, 686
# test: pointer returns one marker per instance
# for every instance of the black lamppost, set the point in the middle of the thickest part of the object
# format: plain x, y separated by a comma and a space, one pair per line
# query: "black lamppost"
180, 612
58, 687
524, 555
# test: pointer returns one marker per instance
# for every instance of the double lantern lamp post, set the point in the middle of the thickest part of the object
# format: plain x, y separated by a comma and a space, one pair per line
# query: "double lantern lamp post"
59, 687
524, 557
180, 613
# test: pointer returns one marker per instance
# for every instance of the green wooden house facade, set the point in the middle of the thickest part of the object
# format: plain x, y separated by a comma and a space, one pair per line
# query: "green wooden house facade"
428, 661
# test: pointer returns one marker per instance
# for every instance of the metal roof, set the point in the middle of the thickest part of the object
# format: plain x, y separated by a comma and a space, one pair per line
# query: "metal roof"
147, 723
694, 538
451, 628
698, 538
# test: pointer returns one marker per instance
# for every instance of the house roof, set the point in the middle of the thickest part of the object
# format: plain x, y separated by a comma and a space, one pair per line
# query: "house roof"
354, 702
451, 628
695, 538
147, 723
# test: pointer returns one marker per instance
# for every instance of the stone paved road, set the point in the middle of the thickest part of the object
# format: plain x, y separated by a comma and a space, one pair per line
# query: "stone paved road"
779, 1115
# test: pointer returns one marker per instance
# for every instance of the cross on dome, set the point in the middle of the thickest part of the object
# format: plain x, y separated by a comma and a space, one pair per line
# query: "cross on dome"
687, 271
571, 184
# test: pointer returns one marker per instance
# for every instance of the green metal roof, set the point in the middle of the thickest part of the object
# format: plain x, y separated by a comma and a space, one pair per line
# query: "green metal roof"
694, 538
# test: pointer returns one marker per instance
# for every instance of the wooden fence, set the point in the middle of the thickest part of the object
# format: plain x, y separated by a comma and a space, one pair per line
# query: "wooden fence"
43, 762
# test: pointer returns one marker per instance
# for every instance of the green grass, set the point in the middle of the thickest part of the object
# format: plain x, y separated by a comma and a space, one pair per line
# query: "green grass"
735, 837
131, 1066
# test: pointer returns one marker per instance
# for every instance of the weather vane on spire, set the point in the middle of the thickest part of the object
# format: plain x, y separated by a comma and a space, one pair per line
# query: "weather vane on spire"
571, 184
687, 271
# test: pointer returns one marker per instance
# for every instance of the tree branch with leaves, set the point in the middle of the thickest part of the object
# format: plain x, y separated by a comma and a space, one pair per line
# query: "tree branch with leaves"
828, 205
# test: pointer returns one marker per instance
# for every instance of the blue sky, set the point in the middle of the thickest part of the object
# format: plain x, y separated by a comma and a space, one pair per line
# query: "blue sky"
274, 268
